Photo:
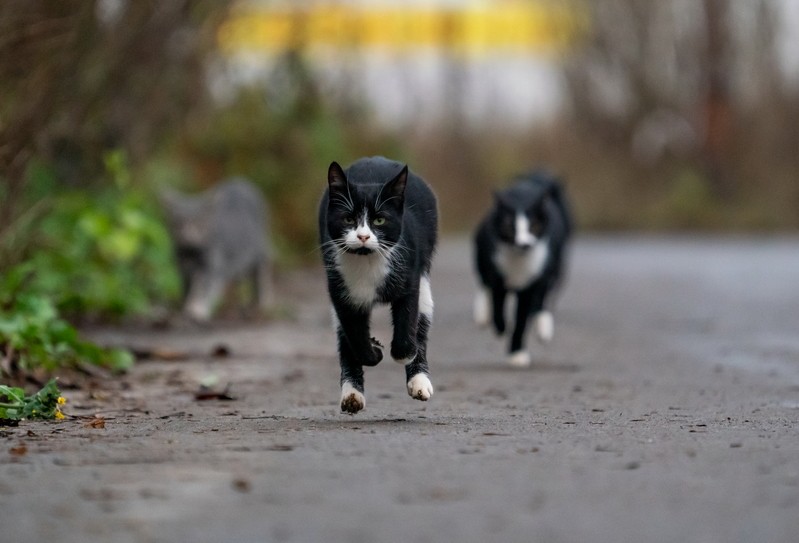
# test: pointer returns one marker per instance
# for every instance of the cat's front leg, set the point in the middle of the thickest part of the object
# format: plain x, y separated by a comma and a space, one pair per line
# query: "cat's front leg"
352, 385
518, 354
529, 301
353, 328
405, 317
498, 294
262, 282
356, 350
205, 291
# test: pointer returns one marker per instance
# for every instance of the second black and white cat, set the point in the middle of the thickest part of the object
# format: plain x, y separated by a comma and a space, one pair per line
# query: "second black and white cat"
520, 248
378, 226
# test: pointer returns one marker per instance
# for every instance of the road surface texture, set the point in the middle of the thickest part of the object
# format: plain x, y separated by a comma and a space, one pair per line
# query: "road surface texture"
665, 410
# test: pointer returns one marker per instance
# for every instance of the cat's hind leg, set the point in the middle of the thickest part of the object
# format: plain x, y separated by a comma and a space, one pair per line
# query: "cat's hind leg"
544, 326
204, 294
482, 307
417, 373
262, 280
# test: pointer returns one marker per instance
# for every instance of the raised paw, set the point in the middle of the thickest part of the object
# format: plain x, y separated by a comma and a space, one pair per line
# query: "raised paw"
420, 387
403, 353
352, 400
544, 326
376, 355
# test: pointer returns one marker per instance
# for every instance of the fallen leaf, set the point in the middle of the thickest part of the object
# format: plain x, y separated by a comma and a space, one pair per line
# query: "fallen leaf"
97, 422
208, 394
221, 351
292, 376
280, 447
19, 450
178, 414
159, 353
242, 485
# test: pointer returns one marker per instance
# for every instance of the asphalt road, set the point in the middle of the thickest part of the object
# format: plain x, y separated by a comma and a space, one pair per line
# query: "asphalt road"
665, 410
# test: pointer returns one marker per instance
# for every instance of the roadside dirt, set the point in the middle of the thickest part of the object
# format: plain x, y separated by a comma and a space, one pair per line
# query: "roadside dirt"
665, 410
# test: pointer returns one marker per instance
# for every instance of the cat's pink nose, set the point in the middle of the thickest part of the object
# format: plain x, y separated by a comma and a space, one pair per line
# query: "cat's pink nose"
364, 237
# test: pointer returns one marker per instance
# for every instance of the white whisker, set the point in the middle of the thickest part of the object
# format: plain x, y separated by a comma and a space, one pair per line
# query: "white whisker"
345, 202
380, 203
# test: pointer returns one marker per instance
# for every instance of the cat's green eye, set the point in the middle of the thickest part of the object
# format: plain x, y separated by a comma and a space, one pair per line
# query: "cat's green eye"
349, 220
380, 221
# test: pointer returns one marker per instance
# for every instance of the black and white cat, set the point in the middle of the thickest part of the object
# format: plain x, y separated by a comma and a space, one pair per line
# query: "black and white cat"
378, 226
520, 248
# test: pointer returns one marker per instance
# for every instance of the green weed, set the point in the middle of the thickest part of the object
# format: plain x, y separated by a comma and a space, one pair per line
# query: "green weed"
45, 404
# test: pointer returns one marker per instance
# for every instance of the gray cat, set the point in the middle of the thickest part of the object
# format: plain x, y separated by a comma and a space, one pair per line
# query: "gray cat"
220, 236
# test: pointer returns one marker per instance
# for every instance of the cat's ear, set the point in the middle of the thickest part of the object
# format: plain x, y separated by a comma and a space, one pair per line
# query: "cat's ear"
336, 179
395, 189
501, 199
169, 197
177, 205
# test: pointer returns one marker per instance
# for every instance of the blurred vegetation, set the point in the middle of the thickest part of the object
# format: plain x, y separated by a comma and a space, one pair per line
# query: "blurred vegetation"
283, 134
78, 255
106, 102
33, 338
87, 86
101, 254
678, 116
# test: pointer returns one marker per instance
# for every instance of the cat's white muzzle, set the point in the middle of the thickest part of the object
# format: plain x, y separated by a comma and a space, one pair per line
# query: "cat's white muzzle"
523, 239
361, 240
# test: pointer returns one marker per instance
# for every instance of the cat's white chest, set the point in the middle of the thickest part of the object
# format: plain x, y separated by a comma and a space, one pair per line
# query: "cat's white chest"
363, 275
520, 268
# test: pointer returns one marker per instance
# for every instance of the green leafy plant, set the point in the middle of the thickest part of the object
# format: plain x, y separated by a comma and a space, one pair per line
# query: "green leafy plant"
104, 253
93, 255
33, 336
45, 404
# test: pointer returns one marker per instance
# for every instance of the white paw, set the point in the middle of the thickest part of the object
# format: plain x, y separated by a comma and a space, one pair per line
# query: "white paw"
420, 387
519, 359
482, 308
544, 326
352, 400
199, 311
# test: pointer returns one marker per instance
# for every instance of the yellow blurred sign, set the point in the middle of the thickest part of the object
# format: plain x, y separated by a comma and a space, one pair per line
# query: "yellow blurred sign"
472, 27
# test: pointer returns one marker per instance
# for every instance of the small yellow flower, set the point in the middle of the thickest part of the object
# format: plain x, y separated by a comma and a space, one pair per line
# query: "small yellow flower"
61, 400
59, 415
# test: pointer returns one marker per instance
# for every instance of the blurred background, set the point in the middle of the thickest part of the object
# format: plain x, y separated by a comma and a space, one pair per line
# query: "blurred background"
661, 115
